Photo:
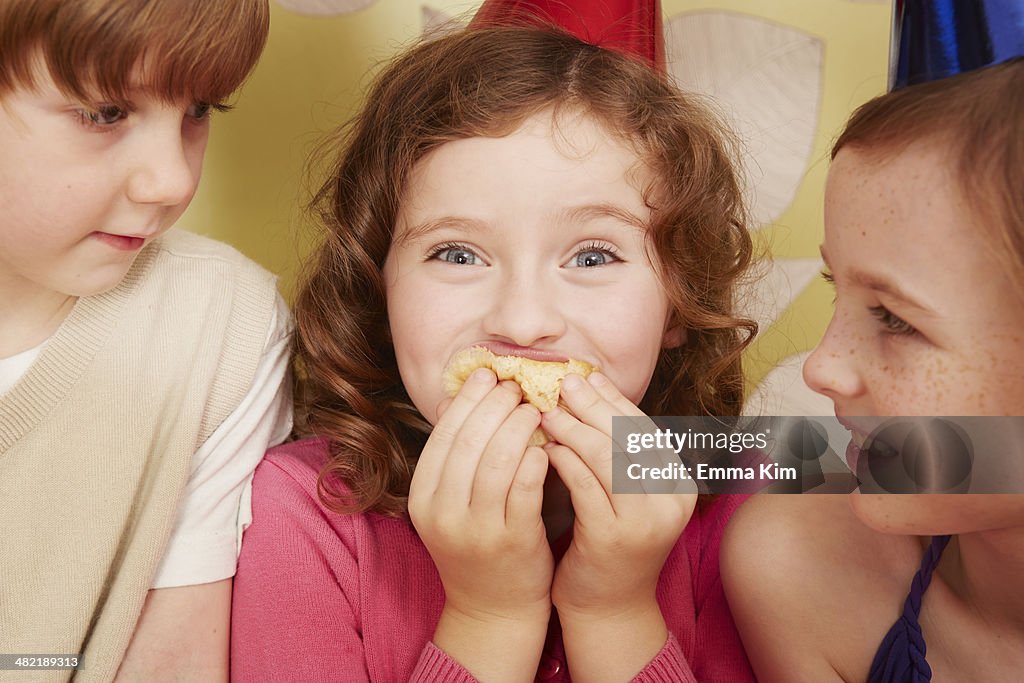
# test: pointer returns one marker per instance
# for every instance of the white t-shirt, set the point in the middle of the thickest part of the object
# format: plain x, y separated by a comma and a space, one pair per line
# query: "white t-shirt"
11, 369
216, 506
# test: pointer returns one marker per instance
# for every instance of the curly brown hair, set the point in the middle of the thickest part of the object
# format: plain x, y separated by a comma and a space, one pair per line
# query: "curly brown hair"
488, 82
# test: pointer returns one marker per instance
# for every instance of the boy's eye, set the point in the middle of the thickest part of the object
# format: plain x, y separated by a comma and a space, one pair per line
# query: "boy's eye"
104, 115
593, 255
454, 253
891, 323
200, 110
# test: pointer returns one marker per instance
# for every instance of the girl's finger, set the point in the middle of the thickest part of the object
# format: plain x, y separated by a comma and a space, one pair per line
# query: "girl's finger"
442, 407
432, 459
456, 479
596, 401
590, 500
592, 445
610, 393
526, 495
501, 459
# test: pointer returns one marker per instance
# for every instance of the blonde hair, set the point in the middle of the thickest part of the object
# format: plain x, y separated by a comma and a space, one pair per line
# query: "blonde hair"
976, 117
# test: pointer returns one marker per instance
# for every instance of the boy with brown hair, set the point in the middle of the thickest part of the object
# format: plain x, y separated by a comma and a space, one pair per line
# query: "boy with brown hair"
142, 372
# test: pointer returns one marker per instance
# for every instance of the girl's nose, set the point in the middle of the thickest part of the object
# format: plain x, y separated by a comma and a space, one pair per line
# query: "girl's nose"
525, 310
833, 368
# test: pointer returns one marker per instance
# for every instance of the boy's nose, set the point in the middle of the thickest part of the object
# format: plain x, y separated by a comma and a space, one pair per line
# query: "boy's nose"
165, 169
832, 369
525, 311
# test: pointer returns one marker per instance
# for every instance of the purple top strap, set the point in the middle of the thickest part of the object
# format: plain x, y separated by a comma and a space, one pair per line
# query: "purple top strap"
901, 656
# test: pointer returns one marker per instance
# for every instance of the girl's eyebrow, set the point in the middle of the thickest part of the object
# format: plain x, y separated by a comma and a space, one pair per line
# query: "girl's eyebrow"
424, 228
577, 214
888, 287
605, 210
881, 284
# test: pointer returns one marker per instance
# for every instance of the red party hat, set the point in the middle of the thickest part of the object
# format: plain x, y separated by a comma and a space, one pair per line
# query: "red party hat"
630, 27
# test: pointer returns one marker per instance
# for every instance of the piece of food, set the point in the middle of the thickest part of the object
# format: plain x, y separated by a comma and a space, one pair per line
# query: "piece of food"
540, 381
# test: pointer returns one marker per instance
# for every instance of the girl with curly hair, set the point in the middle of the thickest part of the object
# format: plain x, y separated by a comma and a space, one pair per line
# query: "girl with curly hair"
518, 189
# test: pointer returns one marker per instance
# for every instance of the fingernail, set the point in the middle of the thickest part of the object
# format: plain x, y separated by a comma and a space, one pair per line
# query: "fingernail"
480, 375
597, 379
572, 382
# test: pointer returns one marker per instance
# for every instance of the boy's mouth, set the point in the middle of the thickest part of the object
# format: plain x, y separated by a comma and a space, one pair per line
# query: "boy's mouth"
120, 242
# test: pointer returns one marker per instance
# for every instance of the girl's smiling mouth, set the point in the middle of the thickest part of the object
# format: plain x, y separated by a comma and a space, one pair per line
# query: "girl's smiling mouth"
505, 349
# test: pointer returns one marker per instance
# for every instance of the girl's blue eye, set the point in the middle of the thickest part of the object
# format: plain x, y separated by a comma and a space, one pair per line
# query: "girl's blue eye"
891, 323
594, 255
589, 259
454, 253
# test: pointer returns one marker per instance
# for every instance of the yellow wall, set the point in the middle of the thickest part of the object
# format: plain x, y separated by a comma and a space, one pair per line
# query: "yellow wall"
315, 68
308, 81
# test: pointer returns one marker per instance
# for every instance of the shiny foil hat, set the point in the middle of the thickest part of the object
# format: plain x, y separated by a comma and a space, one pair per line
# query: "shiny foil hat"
933, 39
630, 27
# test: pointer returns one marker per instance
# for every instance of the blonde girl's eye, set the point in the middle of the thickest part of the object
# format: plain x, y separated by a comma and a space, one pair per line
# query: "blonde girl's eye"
456, 254
891, 323
593, 255
827, 277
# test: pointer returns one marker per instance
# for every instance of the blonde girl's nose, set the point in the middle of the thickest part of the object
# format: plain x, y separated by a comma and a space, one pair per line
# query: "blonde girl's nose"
833, 368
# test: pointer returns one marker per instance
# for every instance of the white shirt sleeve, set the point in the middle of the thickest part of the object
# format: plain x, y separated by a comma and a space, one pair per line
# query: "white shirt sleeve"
216, 506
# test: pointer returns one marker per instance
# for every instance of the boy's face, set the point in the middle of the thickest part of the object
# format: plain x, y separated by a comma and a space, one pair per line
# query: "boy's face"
84, 188
532, 244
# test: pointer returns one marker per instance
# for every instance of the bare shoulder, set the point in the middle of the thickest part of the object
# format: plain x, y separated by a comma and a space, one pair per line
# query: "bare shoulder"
781, 551
805, 580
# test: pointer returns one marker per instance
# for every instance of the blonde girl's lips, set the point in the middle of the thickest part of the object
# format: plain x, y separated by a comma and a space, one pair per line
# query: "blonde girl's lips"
852, 455
857, 440
120, 242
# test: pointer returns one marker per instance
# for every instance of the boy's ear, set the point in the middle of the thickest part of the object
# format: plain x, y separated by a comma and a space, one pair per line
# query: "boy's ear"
675, 336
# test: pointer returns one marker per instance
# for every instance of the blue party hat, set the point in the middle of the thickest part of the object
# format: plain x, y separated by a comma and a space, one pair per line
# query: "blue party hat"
934, 39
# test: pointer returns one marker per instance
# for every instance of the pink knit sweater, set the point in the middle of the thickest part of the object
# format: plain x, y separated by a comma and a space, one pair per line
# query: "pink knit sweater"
326, 597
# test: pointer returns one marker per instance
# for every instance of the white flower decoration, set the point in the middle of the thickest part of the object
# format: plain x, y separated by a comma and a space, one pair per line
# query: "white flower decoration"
325, 7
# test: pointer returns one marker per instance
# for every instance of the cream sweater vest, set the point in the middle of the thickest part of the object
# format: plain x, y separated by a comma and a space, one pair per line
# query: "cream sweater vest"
96, 441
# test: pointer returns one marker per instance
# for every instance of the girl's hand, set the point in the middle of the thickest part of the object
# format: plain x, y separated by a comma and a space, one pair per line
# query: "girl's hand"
475, 500
606, 582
